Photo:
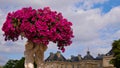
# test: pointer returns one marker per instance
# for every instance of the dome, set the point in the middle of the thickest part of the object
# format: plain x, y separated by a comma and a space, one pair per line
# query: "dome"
88, 56
99, 57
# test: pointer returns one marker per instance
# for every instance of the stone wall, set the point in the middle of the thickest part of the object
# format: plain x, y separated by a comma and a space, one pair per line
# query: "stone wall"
81, 64
106, 61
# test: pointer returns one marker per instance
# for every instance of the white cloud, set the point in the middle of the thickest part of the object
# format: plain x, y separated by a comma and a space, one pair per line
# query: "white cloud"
88, 4
12, 47
3, 60
116, 35
112, 16
59, 4
86, 24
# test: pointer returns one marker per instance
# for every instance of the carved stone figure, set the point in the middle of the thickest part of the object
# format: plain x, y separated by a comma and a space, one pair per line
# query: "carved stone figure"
34, 53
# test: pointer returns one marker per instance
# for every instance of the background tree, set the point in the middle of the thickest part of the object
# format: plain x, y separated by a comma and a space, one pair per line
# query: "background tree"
0, 66
20, 63
10, 64
16, 64
116, 50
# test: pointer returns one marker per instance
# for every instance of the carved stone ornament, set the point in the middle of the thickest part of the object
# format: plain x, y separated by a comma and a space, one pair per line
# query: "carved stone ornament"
34, 53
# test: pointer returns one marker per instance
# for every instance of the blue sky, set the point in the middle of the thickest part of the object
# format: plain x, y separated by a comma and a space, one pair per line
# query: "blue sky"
95, 25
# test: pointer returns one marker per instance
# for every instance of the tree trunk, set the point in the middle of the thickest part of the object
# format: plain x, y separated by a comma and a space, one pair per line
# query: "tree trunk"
34, 53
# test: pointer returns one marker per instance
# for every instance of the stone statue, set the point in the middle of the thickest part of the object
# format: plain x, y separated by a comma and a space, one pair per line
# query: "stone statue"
34, 53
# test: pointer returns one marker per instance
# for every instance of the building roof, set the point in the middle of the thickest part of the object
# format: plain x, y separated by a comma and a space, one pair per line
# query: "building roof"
59, 57
109, 53
75, 58
56, 57
99, 57
88, 56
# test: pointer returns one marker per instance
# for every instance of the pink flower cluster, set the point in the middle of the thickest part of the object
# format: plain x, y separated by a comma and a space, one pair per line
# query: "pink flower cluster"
40, 26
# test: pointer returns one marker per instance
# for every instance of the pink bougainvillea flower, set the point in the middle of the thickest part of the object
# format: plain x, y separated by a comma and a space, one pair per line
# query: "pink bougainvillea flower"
39, 26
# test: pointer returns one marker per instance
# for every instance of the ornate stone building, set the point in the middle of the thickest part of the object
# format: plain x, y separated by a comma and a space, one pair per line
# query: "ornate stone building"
106, 60
57, 60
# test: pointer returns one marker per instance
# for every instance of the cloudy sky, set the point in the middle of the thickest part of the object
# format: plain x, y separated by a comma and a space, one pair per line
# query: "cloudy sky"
95, 25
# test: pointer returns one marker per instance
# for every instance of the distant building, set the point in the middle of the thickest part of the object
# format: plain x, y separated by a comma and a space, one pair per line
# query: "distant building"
57, 60
56, 57
106, 60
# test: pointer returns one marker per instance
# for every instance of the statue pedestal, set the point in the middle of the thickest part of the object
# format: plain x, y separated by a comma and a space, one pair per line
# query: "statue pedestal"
34, 53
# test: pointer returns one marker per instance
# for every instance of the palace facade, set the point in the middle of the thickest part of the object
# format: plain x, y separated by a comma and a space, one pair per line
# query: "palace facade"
57, 60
